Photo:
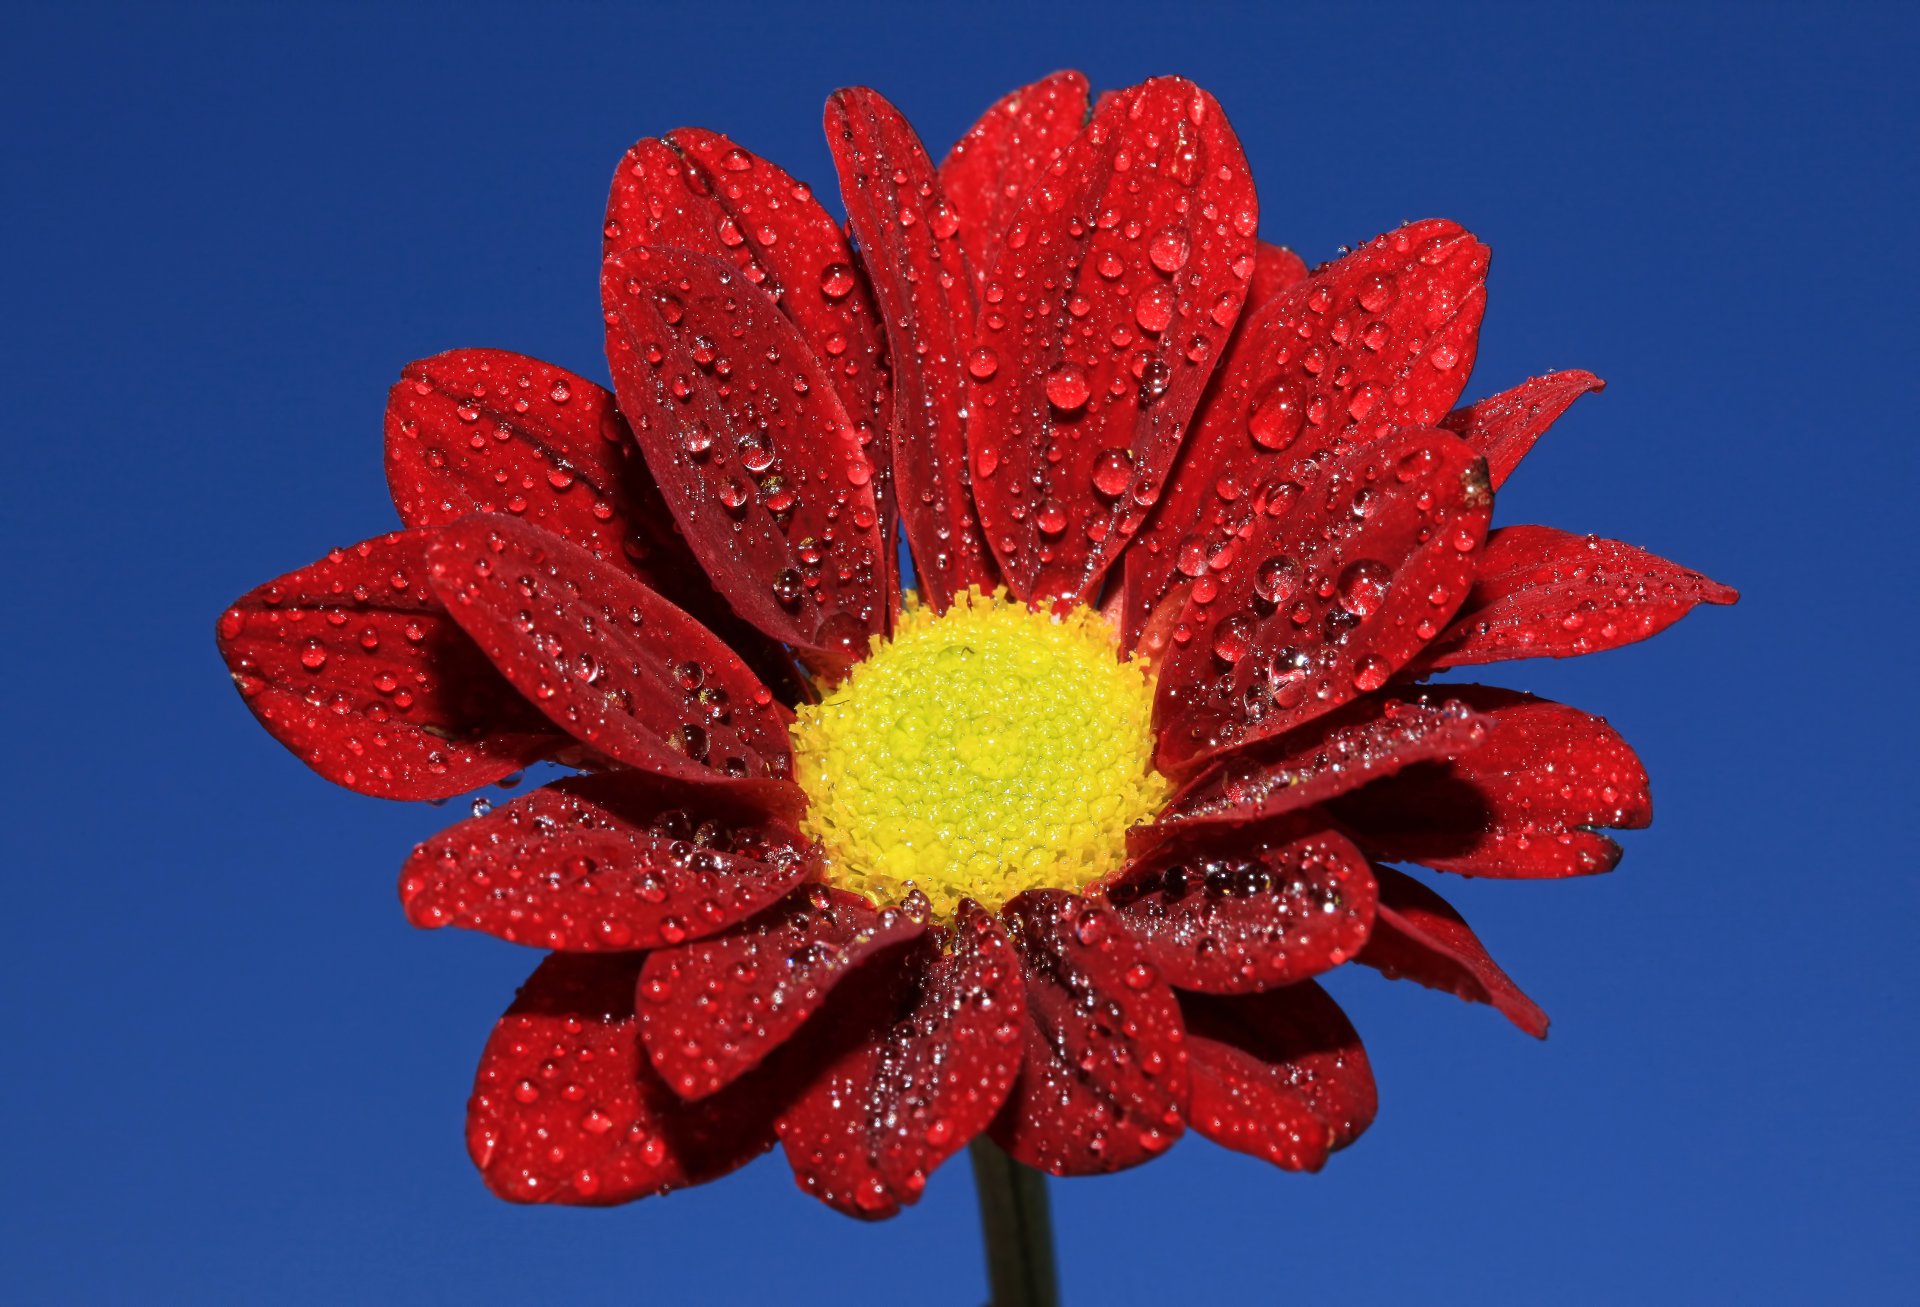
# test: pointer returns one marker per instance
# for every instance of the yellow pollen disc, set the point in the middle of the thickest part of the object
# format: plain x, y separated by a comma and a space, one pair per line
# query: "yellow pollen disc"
980, 753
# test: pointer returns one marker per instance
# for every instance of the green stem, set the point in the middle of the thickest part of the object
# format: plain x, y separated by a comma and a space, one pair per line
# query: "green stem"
1016, 1228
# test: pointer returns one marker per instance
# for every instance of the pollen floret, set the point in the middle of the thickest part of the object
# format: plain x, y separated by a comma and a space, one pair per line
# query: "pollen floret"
980, 753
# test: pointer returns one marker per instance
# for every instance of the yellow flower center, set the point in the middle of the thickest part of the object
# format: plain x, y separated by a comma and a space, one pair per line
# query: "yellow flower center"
980, 753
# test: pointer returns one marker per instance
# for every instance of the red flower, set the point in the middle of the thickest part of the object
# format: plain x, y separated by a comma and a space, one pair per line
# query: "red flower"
868, 879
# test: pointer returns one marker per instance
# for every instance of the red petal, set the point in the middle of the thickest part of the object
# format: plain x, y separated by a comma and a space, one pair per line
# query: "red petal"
699, 191
1380, 339
920, 276
712, 1010
1522, 805
1276, 270
1369, 738
1418, 936
566, 1109
989, 170
616, 861
1542, 593
486, 431
1326, 599
1280, 1075
752, 449
867, 1134
1230, 912
607, 659
1104, 1081
354, 665
1113, 298
1504, 427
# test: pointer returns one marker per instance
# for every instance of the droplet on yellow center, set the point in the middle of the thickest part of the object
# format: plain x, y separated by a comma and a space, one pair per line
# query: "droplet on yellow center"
980, 753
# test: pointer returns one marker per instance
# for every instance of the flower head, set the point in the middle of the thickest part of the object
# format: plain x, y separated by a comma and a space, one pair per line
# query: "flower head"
1053, 845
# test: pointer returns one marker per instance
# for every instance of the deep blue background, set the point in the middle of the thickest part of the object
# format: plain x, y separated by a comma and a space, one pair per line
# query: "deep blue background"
234, 1075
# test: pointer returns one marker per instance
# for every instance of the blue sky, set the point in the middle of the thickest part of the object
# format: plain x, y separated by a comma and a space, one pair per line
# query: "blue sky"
236, 1075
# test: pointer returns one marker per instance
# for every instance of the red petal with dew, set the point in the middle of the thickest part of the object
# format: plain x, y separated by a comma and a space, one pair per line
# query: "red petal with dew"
610, 862
868, 1132
353, 664
989, 170
1114, 294
908, 238
566, 1108
699, 191
1330, 591
1521, 806
1329, 756
486, 431
1276, 270
1380, 339
754, 452
1104, 1080
1279, 1075
1505, 426
1234, 911
711, 1010
607, 659
1419, 936
1542, 593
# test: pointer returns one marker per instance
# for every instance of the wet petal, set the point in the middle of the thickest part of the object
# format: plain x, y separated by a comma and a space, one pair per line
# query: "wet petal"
1504, 427
1381, 339
699, 191
1522, 805
989, 170
1104, 1080
1369, 738
607, 659
711, 1010
1542, 593
870, 1130
611, 862
1330, 591
353, 664
566, 1108
752, 449
909, 241
1233, 911
1419, 936
1119, 281
1276, 270
1279, 1075
486, 431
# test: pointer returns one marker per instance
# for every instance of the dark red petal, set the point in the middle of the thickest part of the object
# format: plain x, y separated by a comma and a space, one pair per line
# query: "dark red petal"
865, 1136
606, 658
987, 173
1233, 911
699, 191
1369, 738
1276, 270
1380, 339
752, 449
1112, 299
1279, 1075
486, 431
1328, 593
611, 862
1505, 426
711, 1010
354, 665
1542, 593
566, 1108
1419, 936
1104, 1081
908, 240
1523, 805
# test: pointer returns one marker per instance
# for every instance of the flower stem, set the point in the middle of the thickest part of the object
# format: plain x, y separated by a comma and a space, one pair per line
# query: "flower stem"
1016, 1228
